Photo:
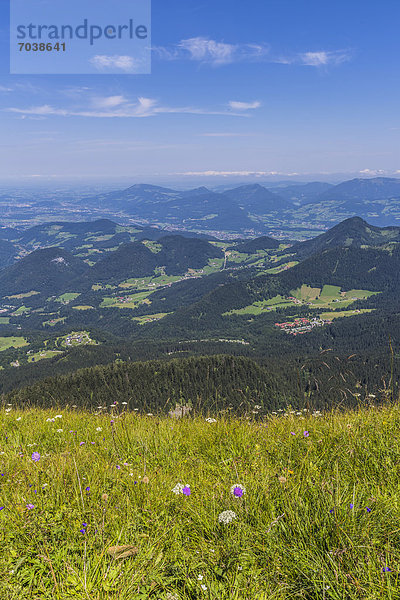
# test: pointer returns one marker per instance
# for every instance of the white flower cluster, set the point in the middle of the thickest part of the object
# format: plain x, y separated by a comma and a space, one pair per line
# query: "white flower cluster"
209, 420
178, 489
226, 517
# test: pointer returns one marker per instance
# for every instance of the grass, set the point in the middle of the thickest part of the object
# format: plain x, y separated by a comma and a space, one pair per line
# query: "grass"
284, 543
12, 342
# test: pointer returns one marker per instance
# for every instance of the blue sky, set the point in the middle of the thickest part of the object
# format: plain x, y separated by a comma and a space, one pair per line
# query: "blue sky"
268, 86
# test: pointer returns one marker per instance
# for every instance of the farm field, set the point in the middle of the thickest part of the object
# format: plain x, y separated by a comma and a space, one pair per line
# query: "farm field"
116, 505
149, 318
316, 298
12, 342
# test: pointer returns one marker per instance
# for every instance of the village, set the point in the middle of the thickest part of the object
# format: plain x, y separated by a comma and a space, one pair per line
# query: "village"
302, 325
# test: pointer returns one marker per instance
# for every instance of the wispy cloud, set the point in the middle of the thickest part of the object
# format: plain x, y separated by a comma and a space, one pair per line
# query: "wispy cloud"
121, 107
214, 53
5, 89
324, 59
124, 63
211, 52
234, 173
244, 105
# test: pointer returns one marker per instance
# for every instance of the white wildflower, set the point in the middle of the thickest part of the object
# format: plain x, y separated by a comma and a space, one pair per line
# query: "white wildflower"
8, 410
200, 577
49, 420
149, 414
227, 516
99, 429
178, 489
124, 403
298, 413
209, 420
203, 587
58, 417
59, 430
18, 419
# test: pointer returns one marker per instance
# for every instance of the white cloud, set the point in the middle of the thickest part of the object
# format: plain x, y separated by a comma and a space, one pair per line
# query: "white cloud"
372, 172
120, 107
109, 101
211, 52
323, 59
233, 173
5, 89
244, 105
124, 63
206, 51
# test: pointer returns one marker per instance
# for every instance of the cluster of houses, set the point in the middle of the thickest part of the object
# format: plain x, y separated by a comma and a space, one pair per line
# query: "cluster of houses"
77, 338
301, 325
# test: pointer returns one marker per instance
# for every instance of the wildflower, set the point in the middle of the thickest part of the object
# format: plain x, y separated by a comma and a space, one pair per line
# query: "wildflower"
200, 577
2, 507
30, 506
282, 479
178, 489
18, 419
145, 479
82, 530
306, 434
293, 433
209, 420
351, 505
35, 456
238, 490
50, 420
99, 429
203, 587
368, 509
59, 430
81, 443
186, 490
112, 421
227, 516
386, 569
149, 414
104, 497
58, 417
118, 467
124, 403
87, 489
331, 510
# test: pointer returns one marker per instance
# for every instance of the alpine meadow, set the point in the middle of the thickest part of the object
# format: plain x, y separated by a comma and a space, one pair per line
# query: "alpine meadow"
199, 300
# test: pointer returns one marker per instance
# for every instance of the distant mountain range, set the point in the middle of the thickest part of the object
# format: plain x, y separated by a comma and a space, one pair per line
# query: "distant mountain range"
247, 208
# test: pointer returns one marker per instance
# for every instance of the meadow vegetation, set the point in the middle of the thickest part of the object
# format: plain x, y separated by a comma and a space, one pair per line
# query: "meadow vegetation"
114, 504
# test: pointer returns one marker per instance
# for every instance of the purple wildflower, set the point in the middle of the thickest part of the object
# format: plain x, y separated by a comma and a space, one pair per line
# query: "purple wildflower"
81, 443
306, 434
82, 530
386, 569
331, 511
351, 505
87, 490
293, 433
118, 467
368, 509
186, 490
1, 507
30, 506
35, 456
